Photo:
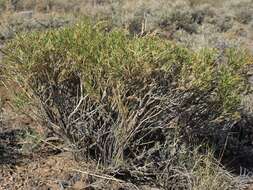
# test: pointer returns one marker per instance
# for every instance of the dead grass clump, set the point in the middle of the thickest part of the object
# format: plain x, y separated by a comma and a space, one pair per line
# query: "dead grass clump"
134, 105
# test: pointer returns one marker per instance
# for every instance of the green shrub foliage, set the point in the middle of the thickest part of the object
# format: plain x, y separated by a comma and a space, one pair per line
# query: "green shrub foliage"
122, 100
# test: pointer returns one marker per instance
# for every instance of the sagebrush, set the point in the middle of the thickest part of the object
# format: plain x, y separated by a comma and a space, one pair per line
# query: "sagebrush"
135, 105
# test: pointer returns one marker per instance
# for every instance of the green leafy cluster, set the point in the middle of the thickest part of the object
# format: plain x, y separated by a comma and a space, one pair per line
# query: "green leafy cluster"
113, 59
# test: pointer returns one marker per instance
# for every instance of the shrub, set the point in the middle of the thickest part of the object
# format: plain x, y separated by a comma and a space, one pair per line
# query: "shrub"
180, 19
244, 16
2, 5
26, 21
134, 105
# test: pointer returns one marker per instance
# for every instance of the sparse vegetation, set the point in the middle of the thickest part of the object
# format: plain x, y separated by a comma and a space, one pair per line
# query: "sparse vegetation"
153, 93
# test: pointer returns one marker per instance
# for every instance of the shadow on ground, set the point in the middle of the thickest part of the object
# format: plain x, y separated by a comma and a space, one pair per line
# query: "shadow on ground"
10, 147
